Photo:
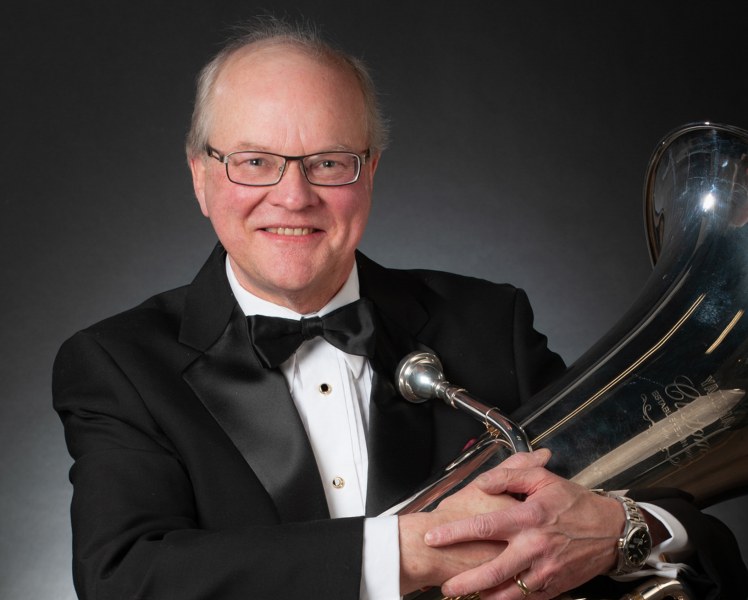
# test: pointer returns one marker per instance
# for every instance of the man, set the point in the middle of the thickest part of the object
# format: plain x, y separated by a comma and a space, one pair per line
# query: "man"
208, 464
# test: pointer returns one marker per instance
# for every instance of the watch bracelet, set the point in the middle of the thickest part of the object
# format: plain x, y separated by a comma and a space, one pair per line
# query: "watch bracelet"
634, 519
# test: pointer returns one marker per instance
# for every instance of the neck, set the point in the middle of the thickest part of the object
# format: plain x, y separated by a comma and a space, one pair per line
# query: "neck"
304, 302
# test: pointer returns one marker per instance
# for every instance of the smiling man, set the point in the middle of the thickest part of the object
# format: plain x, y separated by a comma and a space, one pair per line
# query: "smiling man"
292, 232
237, 437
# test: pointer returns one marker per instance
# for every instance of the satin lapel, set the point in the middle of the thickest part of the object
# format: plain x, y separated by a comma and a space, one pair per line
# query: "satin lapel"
400, 433
400, 444
251, 404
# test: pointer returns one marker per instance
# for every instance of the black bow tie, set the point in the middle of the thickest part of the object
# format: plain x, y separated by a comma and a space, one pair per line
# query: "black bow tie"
349, 328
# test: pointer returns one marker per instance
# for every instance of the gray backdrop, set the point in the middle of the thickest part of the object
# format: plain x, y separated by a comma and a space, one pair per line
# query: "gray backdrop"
521, 134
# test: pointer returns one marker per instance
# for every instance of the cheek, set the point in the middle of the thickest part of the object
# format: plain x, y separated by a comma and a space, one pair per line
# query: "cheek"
356, 218
363, 206
226, 204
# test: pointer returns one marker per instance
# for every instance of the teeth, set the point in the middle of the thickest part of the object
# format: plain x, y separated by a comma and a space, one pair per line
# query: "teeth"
289, 230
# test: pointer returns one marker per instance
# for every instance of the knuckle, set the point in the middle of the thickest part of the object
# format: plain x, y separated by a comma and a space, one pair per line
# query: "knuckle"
536, 513
482, 526
548, 576
545, 573
494, 574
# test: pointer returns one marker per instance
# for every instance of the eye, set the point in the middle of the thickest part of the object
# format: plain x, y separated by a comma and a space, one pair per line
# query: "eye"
252, 161
324, 163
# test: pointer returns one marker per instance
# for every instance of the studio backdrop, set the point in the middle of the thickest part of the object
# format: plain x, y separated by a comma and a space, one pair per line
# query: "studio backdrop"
521, 132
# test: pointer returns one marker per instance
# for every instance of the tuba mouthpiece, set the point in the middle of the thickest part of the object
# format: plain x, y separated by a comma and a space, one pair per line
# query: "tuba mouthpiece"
418, 376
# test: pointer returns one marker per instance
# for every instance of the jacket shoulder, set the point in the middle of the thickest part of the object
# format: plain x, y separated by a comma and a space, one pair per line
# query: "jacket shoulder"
447, 284
163, 309
453, 297
160, 316
432, 286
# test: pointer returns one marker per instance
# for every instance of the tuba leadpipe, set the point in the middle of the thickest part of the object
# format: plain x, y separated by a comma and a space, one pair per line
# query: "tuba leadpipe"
660, 399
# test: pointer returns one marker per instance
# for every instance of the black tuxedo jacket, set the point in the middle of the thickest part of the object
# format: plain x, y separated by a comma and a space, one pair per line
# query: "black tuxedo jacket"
193, 476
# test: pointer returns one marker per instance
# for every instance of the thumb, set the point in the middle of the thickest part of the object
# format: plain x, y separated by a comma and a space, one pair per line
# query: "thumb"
527, 460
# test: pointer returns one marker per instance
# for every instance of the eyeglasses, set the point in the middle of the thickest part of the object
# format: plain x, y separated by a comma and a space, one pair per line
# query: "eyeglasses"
248, 167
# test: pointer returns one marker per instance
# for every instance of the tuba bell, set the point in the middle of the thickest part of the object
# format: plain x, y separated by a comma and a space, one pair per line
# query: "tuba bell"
660, 400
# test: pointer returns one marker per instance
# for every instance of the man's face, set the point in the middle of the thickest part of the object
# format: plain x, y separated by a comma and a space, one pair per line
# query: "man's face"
291, 243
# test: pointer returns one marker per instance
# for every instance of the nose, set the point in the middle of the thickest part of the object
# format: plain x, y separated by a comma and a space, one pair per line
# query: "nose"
293, 191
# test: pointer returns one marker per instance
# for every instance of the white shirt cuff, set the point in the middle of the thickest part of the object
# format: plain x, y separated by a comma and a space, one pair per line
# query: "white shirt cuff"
380, 572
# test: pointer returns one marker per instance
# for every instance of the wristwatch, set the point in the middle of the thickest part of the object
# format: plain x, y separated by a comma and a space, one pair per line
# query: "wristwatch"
635, 542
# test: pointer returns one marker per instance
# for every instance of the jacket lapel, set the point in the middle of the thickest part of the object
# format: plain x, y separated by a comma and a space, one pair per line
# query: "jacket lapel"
400, 433
252, 404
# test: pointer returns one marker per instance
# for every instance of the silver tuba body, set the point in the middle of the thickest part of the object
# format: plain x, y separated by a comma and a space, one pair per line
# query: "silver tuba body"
660, 400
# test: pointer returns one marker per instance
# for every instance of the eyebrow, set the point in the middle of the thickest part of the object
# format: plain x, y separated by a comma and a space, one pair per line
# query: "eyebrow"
251, 146
242, 146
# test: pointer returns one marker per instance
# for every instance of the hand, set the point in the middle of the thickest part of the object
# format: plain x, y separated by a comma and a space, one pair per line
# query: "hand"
422, 565
559, 537
473, 500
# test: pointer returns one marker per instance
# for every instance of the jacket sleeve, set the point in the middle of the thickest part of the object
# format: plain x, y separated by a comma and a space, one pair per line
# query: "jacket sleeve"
537, 366
718, 568
138, 530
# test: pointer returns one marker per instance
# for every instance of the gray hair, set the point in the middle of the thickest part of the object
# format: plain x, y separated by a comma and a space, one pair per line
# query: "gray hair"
270, 31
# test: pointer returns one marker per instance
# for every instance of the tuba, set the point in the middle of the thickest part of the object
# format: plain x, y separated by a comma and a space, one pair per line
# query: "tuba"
660, 400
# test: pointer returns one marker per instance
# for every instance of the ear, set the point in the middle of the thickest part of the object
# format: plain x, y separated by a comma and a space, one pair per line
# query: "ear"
371, 165
197, 167
374, 162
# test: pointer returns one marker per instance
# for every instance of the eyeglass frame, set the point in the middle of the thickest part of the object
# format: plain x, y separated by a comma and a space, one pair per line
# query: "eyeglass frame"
224, 158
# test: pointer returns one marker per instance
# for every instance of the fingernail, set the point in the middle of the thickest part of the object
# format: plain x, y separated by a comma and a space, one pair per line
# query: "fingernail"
430, 537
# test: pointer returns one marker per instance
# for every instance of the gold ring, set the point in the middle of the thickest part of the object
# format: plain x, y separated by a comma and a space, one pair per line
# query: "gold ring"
522, 586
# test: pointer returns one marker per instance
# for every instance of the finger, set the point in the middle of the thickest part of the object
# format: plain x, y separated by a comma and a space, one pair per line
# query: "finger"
497, 573
496, 525
512, 590
527, 460
500, 480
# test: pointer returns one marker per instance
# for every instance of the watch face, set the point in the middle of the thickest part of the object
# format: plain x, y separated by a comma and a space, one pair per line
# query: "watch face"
638, 546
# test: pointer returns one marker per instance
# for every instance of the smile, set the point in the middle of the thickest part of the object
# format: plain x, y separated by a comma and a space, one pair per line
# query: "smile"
290, 230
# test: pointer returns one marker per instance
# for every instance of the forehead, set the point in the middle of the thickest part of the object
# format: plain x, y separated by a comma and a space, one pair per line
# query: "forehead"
279, 94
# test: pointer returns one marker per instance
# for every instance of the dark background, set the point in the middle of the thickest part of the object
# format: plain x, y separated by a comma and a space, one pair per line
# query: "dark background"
521, 134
